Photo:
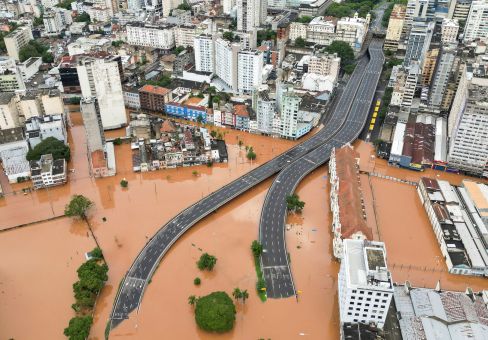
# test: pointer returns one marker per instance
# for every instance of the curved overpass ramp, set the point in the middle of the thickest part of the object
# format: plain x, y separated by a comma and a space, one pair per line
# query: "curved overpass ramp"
274, 260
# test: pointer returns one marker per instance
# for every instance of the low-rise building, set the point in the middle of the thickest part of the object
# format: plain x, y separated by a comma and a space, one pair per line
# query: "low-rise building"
154, 36
461, 237
29, 68
13, 158
10, 76
38, 129
430, 314
131, 97
184, 111
346, 199
48, 172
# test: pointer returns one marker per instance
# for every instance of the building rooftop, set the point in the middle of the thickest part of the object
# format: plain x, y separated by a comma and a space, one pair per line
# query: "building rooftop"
155, 89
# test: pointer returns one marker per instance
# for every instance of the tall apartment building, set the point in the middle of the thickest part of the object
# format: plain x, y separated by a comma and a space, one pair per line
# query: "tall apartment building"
100, 154
251, 14
441, 75
204, 53
250, 70
226, 62
449, 30
418, 41
428, 68
9, 115
100, 78
411, 82
365, 284
228, 6
476, 27
265, 108
17, 39
154, 36
395, 27
185, 35
468, 120
459, 9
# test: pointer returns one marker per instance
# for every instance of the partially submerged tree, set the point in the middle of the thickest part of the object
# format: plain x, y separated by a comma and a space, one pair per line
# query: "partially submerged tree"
294, 204
79, 327
215, 312
207, 262
78, 207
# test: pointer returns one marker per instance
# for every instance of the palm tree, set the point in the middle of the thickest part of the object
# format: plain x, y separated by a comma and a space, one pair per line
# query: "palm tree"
192, 300
237, 294
244, 295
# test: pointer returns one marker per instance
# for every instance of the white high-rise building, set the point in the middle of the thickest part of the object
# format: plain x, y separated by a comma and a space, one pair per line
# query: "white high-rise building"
100, 78
228, 6
441, 74
250, 70
226, 62
468, 126
154, 36
365, 285
476, 24
290, 106
251, 14
449, 30
17, 39
418, 41
265, 108
204, 53
325, 65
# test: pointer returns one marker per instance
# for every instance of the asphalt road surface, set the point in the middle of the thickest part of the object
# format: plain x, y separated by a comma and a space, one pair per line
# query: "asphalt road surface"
345, 126
134, 283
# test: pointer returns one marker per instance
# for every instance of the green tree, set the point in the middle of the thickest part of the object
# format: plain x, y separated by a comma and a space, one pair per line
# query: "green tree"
228, 35
192, 300
83, 17
47, 57
79, 327
207, 262
66, 4
28, 51
179, 49
184, 6
244, 295
49, 145
305, 19
38, 21
96, 254
294, 204
256, 248
78, 207
215, 312
213, 133
300, 42
117, 43
92, 275
237, 294
251, 155
124, 183
197, 281
343, 50
339, 10
199, 119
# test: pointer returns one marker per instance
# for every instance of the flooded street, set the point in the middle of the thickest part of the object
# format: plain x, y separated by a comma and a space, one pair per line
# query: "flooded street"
43, 257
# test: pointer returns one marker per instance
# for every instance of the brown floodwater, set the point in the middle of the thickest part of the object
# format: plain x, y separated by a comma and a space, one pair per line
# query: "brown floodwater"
135, 214
37, 271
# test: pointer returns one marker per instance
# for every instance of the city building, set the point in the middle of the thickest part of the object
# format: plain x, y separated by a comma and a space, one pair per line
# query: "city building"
17, 39
250, 69
29, 68
468, 125
9, 114
346, 199
131, 97
418, 41
353, 31
457, 227
56, 20
325, 65
154, 36
69, 75
251, 14
169, 6
153, 98
431, 314
101, 78
365, 284
265, 108
185, 34
10, 76
101, 155
395, 27
204, 53
226, 60
14, 162
39, 128
441, 75
449, 31
189, 112
475, 27
48, 172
